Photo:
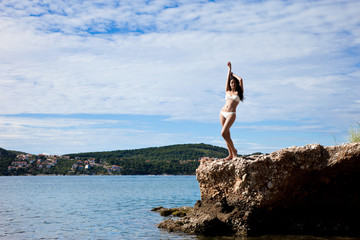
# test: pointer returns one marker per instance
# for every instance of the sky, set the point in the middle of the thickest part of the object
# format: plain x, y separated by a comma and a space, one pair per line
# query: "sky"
80, 76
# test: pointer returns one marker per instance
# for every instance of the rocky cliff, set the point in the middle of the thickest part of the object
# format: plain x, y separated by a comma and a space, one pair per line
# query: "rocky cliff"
298, 190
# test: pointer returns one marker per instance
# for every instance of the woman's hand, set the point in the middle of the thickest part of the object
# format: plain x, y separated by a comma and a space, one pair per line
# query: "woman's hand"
229, 64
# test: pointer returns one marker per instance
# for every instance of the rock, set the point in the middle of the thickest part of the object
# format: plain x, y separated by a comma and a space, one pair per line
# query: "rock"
175, 212
181, 212
157, 209
297, 190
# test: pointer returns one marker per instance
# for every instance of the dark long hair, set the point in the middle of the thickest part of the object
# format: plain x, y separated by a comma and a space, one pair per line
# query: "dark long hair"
238, 88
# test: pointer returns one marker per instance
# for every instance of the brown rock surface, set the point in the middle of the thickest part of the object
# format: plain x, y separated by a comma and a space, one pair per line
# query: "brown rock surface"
297, 190
174, 212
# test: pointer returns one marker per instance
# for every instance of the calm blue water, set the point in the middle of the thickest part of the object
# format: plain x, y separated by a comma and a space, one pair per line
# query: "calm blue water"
91, 207
98, 207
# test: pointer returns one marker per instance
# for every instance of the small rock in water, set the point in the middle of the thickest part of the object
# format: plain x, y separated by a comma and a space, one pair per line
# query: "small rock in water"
175, 212
157, 209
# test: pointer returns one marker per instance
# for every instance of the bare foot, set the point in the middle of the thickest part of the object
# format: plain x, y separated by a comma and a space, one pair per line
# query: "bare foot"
228, 158
235, 154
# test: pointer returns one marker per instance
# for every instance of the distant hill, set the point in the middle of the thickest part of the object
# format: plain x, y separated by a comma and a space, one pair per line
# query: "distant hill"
171, 152
173, 159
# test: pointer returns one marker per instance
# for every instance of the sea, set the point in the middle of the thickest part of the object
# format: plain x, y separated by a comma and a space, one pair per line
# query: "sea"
97, 207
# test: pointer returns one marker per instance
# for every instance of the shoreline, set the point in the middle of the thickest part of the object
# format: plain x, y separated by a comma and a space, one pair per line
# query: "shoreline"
113, 175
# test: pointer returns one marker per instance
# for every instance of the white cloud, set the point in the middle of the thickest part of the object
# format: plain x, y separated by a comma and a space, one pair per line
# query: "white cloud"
298, 60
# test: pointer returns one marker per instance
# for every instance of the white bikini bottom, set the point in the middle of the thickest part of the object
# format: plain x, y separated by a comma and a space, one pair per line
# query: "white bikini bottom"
226, 114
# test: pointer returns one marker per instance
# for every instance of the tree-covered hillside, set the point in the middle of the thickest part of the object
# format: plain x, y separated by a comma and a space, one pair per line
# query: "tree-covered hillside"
6, 158
174, 159
172, 152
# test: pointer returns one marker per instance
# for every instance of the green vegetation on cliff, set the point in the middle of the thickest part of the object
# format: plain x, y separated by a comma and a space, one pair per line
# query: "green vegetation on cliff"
354, 134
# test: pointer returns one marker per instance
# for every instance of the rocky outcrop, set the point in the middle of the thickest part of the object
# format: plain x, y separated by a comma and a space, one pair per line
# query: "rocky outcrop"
174, 212
298, 190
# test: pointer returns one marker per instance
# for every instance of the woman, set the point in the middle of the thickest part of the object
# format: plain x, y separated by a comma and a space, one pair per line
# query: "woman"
234, 91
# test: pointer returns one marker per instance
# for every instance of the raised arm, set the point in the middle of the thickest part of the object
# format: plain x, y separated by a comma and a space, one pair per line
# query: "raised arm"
227, 88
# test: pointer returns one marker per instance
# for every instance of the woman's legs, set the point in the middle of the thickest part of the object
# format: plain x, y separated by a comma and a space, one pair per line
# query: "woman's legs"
226, 123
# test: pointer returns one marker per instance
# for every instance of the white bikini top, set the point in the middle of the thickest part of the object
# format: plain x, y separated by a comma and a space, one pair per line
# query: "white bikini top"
234, 97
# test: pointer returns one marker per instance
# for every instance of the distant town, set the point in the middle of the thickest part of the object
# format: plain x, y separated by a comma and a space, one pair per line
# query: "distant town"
42, 163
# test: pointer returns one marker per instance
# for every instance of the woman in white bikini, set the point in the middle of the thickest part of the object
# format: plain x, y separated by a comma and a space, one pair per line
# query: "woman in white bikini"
234, 94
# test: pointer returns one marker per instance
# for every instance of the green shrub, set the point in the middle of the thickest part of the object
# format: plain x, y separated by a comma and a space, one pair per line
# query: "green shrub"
354, 134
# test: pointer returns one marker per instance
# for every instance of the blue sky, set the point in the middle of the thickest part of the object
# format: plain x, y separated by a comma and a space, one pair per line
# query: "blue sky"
78, 76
